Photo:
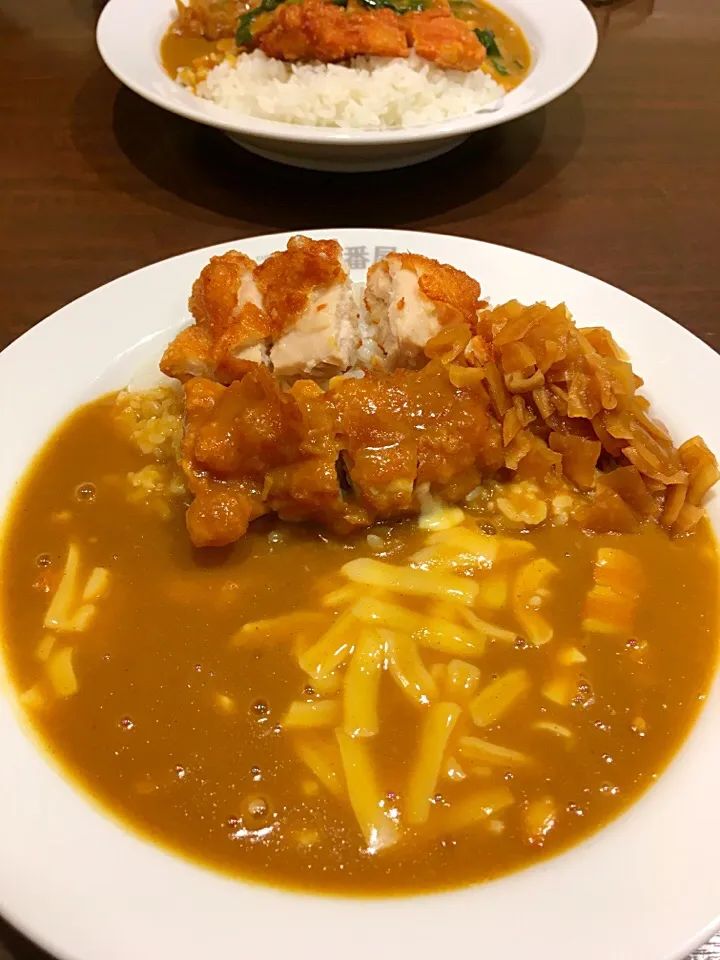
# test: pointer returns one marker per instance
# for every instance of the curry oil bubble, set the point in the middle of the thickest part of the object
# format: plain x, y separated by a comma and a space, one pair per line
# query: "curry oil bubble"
258, 808
257, 812
85, 492
260, 710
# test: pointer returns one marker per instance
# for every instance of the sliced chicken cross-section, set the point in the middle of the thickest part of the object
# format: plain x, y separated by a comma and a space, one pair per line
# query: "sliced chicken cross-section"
295, 312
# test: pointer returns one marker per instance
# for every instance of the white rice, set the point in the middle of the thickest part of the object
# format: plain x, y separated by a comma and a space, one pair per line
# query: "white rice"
368, 93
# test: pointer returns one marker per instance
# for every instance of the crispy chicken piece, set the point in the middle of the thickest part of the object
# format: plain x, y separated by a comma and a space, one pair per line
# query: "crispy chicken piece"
190, 354
231, 327
408, 428
222, 508
254, 447
375, 33
438, 36
409, 298
341, 457
307, 293
307, 486
320, 30
295, 312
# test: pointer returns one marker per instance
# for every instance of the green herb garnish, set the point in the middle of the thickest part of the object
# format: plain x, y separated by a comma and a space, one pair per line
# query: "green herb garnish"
243, 35
519, 65
499, 67
397, 6
458, 6
487, 39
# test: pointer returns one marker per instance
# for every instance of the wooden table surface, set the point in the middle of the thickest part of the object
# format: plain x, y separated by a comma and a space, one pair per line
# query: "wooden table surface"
619, 178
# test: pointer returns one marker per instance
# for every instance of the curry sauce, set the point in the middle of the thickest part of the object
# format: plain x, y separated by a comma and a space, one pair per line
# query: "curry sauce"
179, 52
510, 60
180, 723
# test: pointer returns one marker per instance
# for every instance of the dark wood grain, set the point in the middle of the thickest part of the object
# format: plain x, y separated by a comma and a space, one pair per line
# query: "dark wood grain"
618, 178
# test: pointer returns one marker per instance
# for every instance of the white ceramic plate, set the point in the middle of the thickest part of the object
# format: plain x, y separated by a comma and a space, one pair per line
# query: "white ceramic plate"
561, 33
645, 888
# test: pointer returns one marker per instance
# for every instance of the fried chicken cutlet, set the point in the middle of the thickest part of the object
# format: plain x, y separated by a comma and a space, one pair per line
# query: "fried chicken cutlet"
294, 312
331, 32
321, 30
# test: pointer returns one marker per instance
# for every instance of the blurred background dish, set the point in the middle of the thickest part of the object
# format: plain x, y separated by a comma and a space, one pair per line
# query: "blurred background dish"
561, 36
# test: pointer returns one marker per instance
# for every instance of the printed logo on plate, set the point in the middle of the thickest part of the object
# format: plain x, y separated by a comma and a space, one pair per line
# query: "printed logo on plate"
357, 258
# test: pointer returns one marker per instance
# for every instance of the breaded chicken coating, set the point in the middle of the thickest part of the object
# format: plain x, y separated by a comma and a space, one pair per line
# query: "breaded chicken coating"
320, 30
231, 327
295, 312
409, 298
438, 36
407, 428
307, 294
221, 508
341, 457
255, 447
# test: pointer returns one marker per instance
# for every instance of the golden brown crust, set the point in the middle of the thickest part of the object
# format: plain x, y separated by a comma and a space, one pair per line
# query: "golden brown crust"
274, 294
438, 36
222, 328
213, 301
454, 293
222, 507
319, 30
287, 279
387, 434
190, 354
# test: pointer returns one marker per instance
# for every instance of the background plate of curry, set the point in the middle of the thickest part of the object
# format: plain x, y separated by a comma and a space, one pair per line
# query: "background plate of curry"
348, 84
373, 620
